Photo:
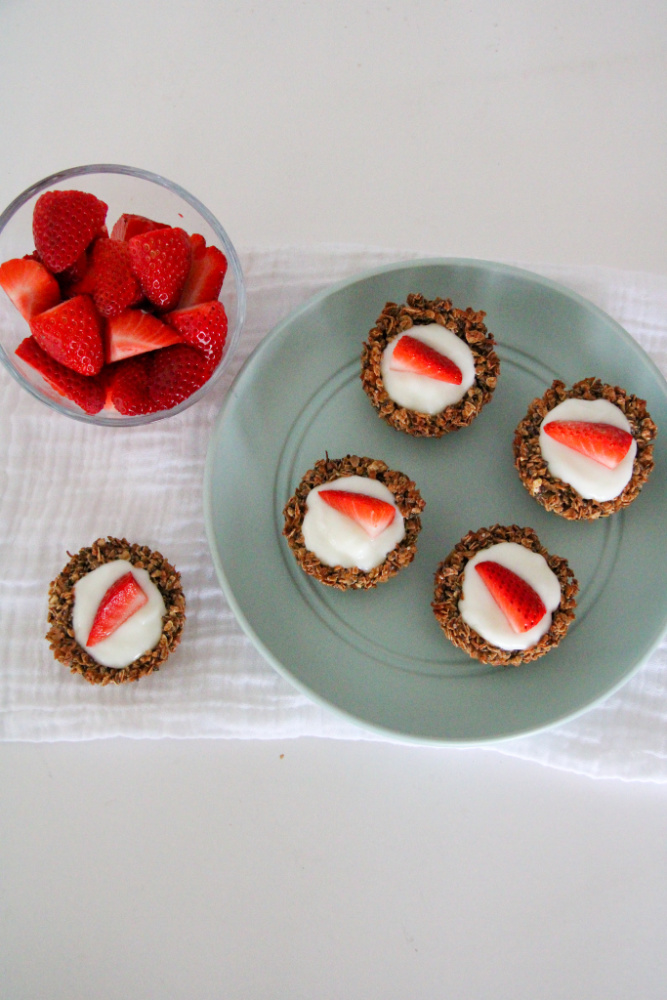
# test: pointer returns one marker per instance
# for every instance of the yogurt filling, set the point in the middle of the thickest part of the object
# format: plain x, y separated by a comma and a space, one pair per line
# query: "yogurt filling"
419, 392
139, 634
479, 610
337, 540
589, 478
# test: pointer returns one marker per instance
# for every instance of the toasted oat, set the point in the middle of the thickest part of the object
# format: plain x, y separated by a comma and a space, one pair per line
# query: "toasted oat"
61, 604
449, 590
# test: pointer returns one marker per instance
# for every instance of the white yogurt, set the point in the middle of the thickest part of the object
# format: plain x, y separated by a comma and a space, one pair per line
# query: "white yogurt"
589, 478
337, 540
140, 633
419, 392
479, 610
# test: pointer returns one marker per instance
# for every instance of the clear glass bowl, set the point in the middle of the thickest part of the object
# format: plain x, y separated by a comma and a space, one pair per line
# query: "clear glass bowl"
125, 190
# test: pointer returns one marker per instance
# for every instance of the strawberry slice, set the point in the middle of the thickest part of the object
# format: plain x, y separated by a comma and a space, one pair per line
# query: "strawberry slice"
30, 286
87, 392
520, 604
175, 373
115, 286
135, 332
161, 261
198, 244
603, 443
63, 224
412, 355
205, 279
127, 386
133, 225
122, 600
202, 326
370, 513
71, 333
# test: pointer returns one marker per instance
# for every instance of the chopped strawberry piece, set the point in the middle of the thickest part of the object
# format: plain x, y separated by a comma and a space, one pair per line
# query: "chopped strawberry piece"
127, 386
71, 333
603, 443
370, 513
115, 286
161, 260
133, 225
30, 286
520, 604
205, 279
176, 372
198, 244
412, 355
203, 326
122, 600
63, 224
135, 332
87, 392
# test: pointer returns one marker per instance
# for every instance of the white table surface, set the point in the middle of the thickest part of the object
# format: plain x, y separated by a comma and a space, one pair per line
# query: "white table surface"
313, 868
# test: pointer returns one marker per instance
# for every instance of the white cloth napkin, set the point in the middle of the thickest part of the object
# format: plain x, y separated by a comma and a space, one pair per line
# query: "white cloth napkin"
63, 484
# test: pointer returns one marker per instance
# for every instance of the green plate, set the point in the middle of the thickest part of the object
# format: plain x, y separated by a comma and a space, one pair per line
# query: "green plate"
379, 656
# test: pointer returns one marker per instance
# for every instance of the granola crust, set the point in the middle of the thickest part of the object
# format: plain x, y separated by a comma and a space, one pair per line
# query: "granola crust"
61, 605
449, 590
407, 499
469, 326
554, 494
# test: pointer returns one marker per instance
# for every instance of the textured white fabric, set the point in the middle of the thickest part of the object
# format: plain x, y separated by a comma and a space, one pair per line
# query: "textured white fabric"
64, 484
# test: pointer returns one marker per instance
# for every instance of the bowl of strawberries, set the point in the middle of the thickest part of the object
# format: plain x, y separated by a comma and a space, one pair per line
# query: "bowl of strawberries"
121, 296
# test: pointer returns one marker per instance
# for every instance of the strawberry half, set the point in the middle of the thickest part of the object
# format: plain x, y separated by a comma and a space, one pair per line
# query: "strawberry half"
63, 224
87, 392
71, 333
115, 286
122, 600
161, 261
370, 513
133, 225
127, 386
30, 286
520, 604
205, 279
203, 326
175, 373
135, 332
603, 443
412, 355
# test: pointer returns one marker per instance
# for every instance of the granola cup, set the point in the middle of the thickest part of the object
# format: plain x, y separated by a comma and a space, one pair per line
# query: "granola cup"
449, 590
469, 326
60, 635
558, 496
406, 497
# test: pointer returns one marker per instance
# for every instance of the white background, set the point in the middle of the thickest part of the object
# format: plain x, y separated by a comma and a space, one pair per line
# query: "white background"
531, 131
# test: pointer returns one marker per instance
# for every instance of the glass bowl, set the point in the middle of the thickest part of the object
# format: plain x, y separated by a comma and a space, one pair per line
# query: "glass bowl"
125, 190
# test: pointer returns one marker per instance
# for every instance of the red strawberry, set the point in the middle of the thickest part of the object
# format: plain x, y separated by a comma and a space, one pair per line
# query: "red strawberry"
114, 284
127, 386
79, 279
372, 514
30, 286
63, 225
205, 279
71, 333
176, 372
522, 607
161, 261
604, 443
132, 225
86, 391
204, 327
198, 244
134, 332
122, 600
412, 355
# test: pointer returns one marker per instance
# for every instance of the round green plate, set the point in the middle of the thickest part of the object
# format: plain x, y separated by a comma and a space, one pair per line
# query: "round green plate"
379, 656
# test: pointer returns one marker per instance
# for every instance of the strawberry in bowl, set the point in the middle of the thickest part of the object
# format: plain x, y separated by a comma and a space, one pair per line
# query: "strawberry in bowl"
121, 297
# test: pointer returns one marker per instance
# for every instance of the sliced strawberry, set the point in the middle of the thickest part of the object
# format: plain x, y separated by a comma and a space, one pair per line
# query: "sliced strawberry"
161, 260
63, 224
176, 372
370, 513
87, 392
122, 600
127, 386
205, 279
603, 443
71, 333
133, 225
520, 604
198, 244
412, 355
203, 326
30, 286
115, 286
135, 332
